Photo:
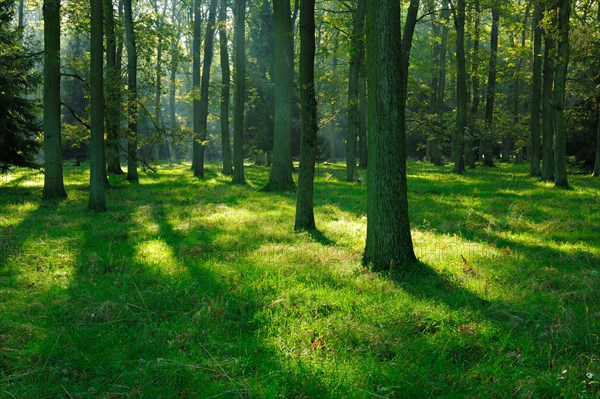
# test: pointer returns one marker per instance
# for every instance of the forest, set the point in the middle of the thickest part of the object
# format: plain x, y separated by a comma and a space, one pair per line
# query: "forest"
299, 199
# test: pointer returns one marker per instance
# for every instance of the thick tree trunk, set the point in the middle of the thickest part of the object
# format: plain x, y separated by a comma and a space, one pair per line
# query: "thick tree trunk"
305, 218
225, 89
536, 93
113, 94
560, 79
389, 243
200, 139
240, 92
356, 53
280, 177
97, 201
132, 106
53, 168
487, 139
461, 90
471, 139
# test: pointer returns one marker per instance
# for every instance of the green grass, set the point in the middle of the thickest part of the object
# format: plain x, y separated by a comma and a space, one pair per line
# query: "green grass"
192, 288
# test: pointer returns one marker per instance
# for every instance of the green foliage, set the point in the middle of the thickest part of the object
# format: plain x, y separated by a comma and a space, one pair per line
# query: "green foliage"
19, 127
199, 288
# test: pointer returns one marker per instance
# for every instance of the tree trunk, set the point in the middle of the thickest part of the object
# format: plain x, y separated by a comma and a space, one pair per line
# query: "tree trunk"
461, 90
202, 110
536, 93
305, 218
560, 79
597, 163
362, 116
356, 53
112, 90
487, 139
196, 42
440, 89
53, 169
389, 243
173, 85
97, 202
547, 122
158, 120
132, 106
240, 92
280, 177
225, 89
471, 139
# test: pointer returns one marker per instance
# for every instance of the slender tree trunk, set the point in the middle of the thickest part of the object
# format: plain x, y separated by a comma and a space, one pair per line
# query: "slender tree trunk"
470, 142
597, 163
436, 143
225, 89
305, 218
196, 42
132, 106
560, 79
536, 93
389, 243
362, 116
280, 177
53, 168
97, 201
173, 85
240, 92
21, 13
113, 97
200, 140
461, 90
158, 90
547, 122
487, 140
356, 53
332, 131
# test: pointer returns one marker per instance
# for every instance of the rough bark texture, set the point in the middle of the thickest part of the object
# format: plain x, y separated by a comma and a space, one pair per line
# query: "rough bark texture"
280, 177
240, 92
97, 202
461, 90
356, 53
560, 79
487, 139
389, 243
53, 169
113, 93
132, 106
305, 217
536, 93
200, 140
225, 89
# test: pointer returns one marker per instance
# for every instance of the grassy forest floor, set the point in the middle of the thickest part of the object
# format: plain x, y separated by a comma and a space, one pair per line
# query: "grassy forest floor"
192, 288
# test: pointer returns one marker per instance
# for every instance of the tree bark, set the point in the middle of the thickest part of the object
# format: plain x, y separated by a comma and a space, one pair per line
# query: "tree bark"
53, 168
461, 90
560, 79
362, 116
596, 172
225, 89
356, 53
389, 243
196, 42
200, 140
113, 93
280, 177
240, 92
97, 201
305, 218
547, 118
132, 106
471, 139
487, 140
536, 92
